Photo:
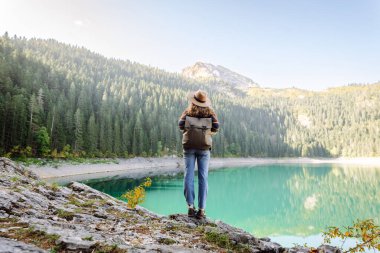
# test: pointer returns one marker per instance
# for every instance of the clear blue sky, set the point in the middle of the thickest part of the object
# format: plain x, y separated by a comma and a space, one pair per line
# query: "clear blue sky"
310, 44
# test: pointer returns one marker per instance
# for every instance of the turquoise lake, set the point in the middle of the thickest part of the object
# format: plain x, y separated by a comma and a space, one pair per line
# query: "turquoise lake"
288, 203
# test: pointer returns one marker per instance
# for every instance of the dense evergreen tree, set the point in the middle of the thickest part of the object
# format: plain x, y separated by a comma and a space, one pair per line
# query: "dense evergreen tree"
78, 131
43, 142
67, 95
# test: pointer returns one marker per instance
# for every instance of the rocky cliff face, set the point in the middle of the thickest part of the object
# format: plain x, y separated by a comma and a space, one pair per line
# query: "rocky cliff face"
36, 217
201, 70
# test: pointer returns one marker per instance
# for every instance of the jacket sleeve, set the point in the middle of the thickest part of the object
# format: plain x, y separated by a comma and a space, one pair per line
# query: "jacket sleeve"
215, 123
181, 121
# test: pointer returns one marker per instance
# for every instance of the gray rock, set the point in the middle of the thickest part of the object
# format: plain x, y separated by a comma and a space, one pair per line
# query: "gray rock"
269, 246
299, 249
78, 187
170, 249
240, 237
35, 199
165, 239
7, 166
267, 239
93, 196
185, 219
11, 246
100, 215
191, 225
328, 249
150, 213
6, 201
76, 244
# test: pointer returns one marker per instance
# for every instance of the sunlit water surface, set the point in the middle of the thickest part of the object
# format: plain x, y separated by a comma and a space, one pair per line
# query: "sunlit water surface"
292, 204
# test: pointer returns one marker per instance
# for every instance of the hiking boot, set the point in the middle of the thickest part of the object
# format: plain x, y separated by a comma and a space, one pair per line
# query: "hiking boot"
191, 212
200, 214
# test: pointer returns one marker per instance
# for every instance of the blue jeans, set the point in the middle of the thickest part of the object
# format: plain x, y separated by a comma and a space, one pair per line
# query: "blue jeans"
203, 158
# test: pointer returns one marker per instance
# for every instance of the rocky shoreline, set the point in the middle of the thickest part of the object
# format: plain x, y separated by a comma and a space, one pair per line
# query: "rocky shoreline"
38, 217
140, 167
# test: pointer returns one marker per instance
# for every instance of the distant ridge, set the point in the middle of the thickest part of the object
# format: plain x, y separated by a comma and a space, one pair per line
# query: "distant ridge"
201, 70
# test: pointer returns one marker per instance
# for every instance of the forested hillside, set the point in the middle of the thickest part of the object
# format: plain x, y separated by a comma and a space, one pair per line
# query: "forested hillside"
57, 99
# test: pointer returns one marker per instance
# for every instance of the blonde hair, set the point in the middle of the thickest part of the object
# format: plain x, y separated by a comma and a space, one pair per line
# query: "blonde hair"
194, 110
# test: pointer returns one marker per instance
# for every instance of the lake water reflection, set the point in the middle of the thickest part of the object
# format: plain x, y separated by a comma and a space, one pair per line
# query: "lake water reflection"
291, 203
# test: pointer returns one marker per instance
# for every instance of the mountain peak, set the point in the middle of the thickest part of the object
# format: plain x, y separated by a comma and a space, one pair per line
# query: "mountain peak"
202, 70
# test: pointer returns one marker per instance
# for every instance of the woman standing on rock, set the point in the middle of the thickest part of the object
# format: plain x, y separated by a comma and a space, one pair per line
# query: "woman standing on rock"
198, 122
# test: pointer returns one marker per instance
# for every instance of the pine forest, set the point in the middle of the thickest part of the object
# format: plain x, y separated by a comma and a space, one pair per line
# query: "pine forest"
58, 100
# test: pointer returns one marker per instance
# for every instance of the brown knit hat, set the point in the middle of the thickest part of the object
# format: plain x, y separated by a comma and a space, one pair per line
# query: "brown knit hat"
199, 98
